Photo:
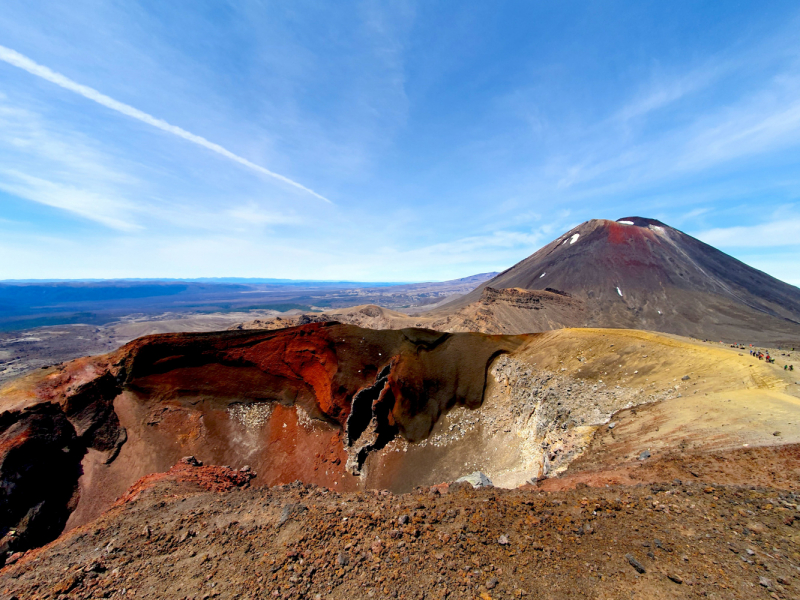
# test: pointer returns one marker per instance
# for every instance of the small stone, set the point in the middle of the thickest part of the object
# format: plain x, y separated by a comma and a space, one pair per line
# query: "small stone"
644, 455
750, 552
94, 567
491, 583
674, 577
685, 378
635, 563
612, 425
342, 559
776, 433
245, 469
192, 461
403, 519
764, 582
476, 479
503, 540
290, 511
783, 581
146, 531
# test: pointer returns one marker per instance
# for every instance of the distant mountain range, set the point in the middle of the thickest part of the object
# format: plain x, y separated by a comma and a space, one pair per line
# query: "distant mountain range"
35, 303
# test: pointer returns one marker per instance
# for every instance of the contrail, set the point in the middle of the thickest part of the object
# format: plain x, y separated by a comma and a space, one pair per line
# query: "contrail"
23, 62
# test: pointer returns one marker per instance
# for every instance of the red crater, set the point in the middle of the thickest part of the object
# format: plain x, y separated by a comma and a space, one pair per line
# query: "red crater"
308, 403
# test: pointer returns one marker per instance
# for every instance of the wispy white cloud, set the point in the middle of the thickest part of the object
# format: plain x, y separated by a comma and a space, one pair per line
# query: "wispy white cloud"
32, 142
696, 213
663, 91
691, 217
18, 60
785, 232
253, 214
66, 171
48, 163
611, 161
86, 203
753, 129
781, 265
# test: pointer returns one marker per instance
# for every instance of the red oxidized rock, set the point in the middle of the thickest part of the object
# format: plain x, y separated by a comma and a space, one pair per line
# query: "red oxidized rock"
281, 401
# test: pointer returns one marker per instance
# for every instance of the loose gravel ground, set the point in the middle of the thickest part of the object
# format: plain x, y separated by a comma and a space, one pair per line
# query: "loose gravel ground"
656, 541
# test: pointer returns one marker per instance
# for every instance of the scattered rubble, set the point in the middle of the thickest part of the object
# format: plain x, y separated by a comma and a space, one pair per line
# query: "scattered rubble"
303, 541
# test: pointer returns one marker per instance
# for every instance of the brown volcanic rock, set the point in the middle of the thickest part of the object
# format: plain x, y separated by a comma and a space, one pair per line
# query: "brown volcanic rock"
318, 367
642, 274
40, 461
692, 540
515, 309
280, 401
366, 315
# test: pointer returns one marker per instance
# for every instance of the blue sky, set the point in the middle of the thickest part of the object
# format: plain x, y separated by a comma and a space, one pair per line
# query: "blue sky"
388, 141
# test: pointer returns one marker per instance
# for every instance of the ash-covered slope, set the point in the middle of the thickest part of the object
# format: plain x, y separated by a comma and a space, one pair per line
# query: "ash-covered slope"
635, 273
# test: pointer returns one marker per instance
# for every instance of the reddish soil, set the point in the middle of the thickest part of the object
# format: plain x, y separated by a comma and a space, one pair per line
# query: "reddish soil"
633, 236
768, 466
210, 478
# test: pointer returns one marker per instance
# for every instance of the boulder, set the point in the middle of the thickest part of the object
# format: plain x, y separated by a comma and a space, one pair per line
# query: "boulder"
476, 479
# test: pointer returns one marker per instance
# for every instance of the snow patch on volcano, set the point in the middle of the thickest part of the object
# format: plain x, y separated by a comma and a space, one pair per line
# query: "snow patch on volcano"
574, 238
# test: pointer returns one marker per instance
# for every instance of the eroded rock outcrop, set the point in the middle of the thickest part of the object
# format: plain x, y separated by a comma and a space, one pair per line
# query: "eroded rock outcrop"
40, 462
